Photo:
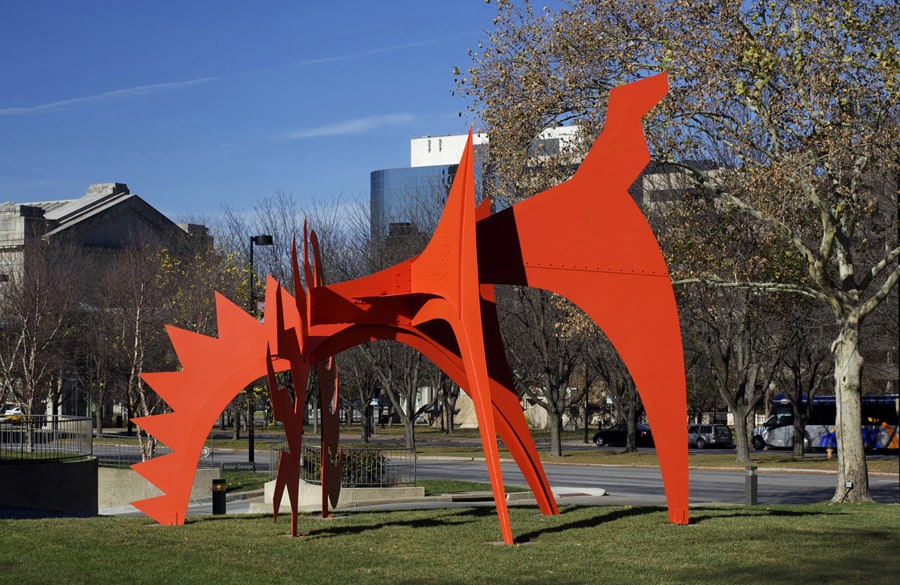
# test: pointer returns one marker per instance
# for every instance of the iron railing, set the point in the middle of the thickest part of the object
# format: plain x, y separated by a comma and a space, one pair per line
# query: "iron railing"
123, 450
45, 438
126, 450
361, 465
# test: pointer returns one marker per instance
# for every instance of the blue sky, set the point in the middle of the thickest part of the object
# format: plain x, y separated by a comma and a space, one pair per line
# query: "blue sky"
199, 104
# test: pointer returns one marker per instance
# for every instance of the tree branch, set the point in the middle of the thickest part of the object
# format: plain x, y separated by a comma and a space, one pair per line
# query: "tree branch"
758, 286
883, 291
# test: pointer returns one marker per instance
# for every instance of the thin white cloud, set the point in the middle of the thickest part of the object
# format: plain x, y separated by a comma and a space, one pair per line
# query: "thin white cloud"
379, 50
146, 89
117, 93
352, 126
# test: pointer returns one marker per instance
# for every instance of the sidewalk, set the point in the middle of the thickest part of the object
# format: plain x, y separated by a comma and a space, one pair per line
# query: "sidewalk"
253, 502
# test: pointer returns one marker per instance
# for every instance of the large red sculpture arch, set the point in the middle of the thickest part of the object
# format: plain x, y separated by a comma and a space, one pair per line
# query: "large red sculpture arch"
584, 239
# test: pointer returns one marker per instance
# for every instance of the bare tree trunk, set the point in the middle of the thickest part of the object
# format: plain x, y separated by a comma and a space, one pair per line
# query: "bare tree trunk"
853, 476
554, 422
631, 420
236, 427
449, 397
742, 412
98, 418
409, 433
367, 426
314, 400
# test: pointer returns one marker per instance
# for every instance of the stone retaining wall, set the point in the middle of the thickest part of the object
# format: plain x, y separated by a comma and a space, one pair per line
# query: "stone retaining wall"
67, 487
117, 487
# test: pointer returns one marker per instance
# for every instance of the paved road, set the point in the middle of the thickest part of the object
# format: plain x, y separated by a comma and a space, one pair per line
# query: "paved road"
707, 486
624, 485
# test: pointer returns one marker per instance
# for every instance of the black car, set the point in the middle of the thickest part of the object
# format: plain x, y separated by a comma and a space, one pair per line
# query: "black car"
617, 435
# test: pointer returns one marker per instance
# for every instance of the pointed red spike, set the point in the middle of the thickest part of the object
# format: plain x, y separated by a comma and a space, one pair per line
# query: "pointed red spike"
167, 427
299, 296
234, 323
165, 472
162, 509
318, 275
307, 271
190, 347
170, 387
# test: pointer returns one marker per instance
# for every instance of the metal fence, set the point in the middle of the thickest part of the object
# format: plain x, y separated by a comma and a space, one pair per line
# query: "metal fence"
45, 438
361, 465
125, 450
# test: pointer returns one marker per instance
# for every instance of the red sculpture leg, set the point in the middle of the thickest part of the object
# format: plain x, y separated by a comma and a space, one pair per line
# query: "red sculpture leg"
289, 412
331, 452
287, 323
448, 269
609, 264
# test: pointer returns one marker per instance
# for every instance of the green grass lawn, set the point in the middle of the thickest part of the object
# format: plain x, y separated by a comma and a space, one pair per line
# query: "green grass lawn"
602, 544
437, 487
243, 481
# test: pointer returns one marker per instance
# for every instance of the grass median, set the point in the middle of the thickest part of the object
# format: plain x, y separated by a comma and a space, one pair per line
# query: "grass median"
466, 443
623, 545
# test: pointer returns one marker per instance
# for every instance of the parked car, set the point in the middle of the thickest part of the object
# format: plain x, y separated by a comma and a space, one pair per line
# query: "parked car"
13, 414
617, 435
702, 436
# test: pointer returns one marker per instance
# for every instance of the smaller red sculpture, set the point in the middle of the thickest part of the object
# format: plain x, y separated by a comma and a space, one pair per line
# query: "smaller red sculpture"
584, 239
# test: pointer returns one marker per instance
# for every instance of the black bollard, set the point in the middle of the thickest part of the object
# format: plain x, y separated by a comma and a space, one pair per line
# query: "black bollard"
750, 486
218, 493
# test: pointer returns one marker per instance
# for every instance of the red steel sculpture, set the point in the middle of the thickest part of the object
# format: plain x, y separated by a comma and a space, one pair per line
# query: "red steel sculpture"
584, 239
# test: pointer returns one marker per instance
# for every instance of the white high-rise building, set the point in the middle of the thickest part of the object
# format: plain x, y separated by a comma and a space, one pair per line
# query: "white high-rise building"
412, 197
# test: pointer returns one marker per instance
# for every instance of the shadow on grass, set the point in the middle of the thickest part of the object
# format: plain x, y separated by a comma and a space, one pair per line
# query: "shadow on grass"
331, 527
607, 515
452, 516
699, 515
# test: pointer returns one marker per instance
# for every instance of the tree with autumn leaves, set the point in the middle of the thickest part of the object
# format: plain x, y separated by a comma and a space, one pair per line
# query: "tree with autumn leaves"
797, 104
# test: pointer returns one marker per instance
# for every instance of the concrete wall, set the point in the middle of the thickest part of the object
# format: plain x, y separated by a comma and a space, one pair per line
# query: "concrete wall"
67, 487
309, 498
118, 487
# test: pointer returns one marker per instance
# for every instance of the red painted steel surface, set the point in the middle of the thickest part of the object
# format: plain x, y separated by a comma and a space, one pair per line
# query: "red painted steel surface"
584, 239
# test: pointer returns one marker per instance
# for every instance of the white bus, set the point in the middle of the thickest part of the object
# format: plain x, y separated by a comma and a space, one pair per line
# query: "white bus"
880, 424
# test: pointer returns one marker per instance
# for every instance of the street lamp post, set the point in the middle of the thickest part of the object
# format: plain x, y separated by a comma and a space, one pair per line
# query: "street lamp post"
261, 240
587, 418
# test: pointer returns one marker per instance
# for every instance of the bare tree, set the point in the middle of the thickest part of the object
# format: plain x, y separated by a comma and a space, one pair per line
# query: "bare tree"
619, 386
545, 344
740, 350
804, 368
35, 305
358, 376
447, 395
138, 288
401, 373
